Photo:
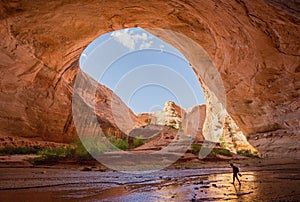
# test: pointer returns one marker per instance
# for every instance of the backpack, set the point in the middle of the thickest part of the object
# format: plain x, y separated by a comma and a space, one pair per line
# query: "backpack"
236, 169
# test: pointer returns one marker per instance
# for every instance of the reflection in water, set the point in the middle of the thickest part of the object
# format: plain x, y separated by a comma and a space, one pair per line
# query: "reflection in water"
237, 191
170, 185
246, 188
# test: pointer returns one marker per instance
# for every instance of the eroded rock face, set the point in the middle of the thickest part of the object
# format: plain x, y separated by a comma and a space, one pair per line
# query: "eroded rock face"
171, 115
193, 122
190, 121
233, 139
96, 109
254, 44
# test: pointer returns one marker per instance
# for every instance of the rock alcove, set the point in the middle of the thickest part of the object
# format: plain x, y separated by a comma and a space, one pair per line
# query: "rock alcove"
253, 44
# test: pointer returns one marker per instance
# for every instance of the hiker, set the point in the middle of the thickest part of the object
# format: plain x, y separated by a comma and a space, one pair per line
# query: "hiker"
235, 171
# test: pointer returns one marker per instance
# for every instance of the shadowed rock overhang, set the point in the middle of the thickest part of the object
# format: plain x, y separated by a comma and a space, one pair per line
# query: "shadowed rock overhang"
254, 45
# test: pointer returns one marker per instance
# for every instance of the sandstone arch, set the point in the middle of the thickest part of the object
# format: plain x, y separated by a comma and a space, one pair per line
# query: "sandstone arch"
254, 44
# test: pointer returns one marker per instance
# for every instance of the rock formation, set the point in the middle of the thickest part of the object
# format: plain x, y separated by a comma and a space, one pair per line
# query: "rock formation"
233, 139
193, 122
176, 117
171, 116
100, 110
254, 44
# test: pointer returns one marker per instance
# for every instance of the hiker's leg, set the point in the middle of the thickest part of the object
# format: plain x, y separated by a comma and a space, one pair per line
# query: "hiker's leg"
233, 178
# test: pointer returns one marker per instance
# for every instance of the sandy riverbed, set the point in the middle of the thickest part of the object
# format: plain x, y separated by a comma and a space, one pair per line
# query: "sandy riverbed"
269, 180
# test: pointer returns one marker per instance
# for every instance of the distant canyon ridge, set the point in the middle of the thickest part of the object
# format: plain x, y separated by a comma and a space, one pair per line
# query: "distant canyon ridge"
178, 118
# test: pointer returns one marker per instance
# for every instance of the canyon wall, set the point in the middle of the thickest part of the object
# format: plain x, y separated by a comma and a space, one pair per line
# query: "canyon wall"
193, 122
190, 121
255, 46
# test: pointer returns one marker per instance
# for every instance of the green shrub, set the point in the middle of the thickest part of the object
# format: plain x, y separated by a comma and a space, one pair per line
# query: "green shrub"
172, 126
59, 151
246, 153
81, 154
118, 142
95, 145
51, 156
223, 152
211, 152
195, 148
137, 141
49, 160
10, 150
77, 151
223, 144
206, 151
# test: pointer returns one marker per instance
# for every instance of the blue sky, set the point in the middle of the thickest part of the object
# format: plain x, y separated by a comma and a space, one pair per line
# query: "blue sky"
142, 70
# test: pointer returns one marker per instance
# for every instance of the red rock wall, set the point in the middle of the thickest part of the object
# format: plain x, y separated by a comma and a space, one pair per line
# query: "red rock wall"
254, 44
193, 122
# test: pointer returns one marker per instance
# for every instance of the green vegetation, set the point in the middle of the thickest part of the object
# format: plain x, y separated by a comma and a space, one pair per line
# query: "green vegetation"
212, 152
172, 126
59, 151
118, 142
76, 151
79, 150
51, 156
10, 150
138, 141
223, 144
223, 152
95, 145
80, 153
195, 148
246, 153
123, 143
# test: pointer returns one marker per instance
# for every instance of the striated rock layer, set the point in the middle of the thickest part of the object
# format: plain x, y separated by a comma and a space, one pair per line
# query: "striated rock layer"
254, 44
171, 115
96, 109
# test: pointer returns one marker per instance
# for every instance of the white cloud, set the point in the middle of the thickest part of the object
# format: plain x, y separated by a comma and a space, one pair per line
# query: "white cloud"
142, 36
124, 38
145, 45
132, 41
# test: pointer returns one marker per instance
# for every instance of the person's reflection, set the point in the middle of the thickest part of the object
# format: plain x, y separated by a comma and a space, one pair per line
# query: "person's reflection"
237, 191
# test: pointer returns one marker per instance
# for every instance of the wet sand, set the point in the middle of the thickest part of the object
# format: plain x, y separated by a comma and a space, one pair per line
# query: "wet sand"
268, 181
